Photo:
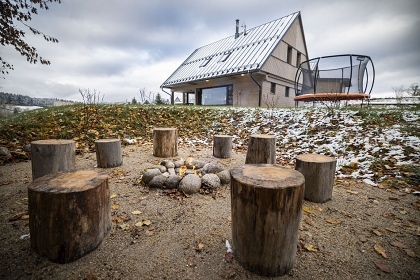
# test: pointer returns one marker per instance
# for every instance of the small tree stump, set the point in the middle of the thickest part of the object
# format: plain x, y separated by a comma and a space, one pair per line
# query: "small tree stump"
108, 153
69, 214
266, 203
319, 172
261, 149
52, 156
222, 146
165, 142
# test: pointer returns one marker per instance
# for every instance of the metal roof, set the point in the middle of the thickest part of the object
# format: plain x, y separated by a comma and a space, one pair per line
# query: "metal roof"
229, 56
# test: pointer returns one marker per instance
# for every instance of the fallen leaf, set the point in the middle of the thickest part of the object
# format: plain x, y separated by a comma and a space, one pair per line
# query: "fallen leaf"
380, 250
309, 222
115, 206
399, 244
310, 247
124, 226
200, 247
316, 207
352, 192
307, 210
382, 267
114, 195
147, 222
377, 232
333, 222
24, 217
139, 224
136, 212
391, 230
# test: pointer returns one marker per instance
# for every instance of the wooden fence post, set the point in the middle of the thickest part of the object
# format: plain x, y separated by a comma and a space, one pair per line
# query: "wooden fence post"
261, 149
165, 142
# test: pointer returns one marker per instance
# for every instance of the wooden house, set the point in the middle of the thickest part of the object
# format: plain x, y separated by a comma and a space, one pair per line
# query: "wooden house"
254, 67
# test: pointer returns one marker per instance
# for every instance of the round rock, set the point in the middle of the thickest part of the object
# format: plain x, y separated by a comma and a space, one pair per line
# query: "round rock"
190, 184
211, 168
224, 177
149, 174
158, 181
210, 181
172, 182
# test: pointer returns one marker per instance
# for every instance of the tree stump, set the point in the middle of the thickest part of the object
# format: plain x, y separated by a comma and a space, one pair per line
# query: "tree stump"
69, 214
52, 156
319, 172
222, 146
108, 153
165, 142
266, 203
261, 149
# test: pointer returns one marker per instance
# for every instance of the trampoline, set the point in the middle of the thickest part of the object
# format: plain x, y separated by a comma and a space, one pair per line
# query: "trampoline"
335, 78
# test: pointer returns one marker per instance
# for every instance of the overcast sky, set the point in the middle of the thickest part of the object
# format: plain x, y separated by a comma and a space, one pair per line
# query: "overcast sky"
119, 47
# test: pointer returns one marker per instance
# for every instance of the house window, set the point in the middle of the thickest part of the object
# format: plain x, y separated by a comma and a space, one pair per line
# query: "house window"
205, 62
225, 56
273, 88
222, 95
298, 59
289, 54
287, 92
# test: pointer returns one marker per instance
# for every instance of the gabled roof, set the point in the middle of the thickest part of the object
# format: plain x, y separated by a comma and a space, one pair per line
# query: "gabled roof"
230, 56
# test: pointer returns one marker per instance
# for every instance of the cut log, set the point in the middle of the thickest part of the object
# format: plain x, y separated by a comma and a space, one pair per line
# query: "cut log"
52, 156
69, 214
266, 203
165, 142
108, 153
222, 146
319, 172
261, 149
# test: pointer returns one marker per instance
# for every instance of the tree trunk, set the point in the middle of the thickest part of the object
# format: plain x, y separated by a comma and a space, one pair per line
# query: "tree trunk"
69, 214
261, 149
52, 156
319, 172
266, 203
222, 146
108, 153
165, 142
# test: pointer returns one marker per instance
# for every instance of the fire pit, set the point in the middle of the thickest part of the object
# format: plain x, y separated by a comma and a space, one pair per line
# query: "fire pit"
187, 175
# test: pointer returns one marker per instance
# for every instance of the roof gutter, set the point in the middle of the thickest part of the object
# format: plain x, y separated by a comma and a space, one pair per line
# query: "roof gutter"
259, 88
170, 94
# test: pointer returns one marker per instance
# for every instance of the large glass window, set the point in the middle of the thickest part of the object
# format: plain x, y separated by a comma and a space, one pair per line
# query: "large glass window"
217, 95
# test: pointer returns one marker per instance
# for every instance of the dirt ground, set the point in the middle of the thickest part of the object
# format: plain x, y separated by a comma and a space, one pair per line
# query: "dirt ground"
364, 232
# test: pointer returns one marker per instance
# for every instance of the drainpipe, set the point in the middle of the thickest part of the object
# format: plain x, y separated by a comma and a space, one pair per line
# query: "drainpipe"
259, 88
170, 94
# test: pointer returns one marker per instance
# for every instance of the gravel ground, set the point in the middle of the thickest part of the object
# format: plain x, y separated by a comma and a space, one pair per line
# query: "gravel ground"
364, 232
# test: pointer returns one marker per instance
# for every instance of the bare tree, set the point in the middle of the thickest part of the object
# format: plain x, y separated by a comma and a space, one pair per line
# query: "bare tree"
413, 90
399, 93
146, 98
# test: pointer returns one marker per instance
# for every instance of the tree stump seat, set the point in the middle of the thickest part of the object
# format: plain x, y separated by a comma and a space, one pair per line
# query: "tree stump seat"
69, 214
52, 156
165, 142
222, 146
319, 172
266, 202
108, 153
261, 149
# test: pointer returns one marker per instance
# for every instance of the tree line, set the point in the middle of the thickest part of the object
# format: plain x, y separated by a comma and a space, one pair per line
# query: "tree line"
24, 100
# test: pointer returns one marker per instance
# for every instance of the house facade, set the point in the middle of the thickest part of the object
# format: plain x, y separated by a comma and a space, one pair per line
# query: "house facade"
255, 67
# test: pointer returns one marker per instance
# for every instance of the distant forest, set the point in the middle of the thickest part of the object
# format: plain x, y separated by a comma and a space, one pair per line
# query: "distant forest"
24, 100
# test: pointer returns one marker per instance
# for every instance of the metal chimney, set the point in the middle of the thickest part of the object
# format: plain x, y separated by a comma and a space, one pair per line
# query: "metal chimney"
237, 29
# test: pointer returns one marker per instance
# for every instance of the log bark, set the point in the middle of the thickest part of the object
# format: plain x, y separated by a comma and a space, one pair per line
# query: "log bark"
261, 149
222, 146
52, 156
69, 214
319, 172
266, 202
165, 142
108, 153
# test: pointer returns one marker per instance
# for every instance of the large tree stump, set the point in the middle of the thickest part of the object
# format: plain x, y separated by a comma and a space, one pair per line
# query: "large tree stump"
319, 172
222, 146
165, 142
261, 149
108, 153
266, 203
69, 214
52, 156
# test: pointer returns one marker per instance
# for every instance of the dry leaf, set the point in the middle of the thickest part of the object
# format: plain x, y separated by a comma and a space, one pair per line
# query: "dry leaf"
399, 244
310, 247
382, 267
147, 222
377, 232
380, 250
352, 192
333, 222
307, 210
316, 207
200, 247
391, 230
115, 206
136, 212
114, 195
24, 217
309, 222
139, 224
